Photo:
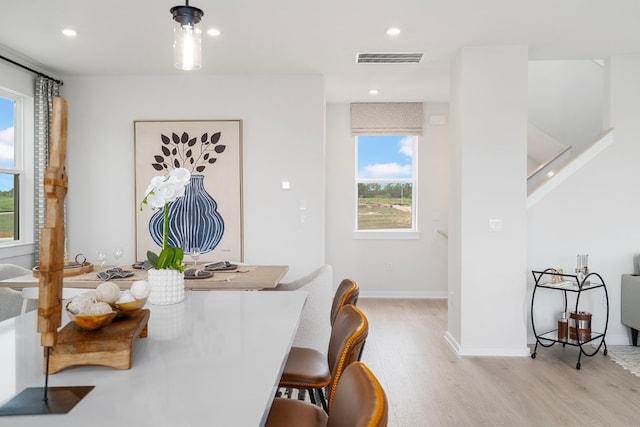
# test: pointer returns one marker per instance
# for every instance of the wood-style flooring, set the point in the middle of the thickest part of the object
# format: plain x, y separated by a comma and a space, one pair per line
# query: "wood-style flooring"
427, 384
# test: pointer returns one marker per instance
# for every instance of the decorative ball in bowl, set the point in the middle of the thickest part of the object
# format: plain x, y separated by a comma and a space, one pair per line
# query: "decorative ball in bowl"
91, 317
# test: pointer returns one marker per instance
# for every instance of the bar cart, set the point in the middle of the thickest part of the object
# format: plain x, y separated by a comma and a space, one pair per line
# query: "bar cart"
570, 284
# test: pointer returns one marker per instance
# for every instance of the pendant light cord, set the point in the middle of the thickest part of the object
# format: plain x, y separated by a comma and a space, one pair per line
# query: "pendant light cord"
60, 82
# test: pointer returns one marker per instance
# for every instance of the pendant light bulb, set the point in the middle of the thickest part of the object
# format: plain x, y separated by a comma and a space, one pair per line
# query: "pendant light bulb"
187, 37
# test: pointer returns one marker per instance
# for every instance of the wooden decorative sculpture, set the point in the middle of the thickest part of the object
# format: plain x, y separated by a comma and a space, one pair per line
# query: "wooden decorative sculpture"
52, 234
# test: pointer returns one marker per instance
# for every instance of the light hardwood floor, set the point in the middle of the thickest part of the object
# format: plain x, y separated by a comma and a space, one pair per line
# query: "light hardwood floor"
427, 384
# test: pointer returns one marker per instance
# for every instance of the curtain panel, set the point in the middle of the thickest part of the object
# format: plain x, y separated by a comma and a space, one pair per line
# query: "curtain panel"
46, 90
387, 118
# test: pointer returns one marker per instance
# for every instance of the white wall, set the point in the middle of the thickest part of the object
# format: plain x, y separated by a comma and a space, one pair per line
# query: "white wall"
566, 100
418, 266
488, 159
595, 211
283, 138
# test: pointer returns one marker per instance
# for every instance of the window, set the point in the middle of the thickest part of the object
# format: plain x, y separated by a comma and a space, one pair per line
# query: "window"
386, 179
11, 169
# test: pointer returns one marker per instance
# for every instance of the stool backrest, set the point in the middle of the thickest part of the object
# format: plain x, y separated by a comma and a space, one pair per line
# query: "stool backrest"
347, 293
348, 335
359, 400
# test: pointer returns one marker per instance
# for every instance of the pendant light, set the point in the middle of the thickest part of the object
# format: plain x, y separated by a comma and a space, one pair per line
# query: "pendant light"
187, 40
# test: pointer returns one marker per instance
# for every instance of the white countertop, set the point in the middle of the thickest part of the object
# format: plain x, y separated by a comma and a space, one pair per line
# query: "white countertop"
213, 360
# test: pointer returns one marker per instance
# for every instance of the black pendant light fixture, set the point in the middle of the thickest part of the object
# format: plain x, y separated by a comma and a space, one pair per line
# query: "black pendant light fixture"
187, 37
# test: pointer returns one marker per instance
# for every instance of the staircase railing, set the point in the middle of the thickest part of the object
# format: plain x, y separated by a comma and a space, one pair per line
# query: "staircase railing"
547, 168
568, 167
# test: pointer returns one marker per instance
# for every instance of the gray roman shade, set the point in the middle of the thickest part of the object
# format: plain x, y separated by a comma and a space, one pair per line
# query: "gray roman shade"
387, 118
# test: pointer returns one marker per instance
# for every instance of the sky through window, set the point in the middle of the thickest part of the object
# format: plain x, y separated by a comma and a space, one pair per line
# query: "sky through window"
384, 157
7, 152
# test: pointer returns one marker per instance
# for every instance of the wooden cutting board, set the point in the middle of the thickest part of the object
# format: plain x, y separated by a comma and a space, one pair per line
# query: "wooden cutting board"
111, 345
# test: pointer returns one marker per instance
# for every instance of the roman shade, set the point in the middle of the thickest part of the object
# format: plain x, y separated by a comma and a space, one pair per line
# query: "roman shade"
387, 118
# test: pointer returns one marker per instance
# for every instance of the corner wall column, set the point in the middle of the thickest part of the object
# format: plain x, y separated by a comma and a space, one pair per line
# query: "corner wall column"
487, 213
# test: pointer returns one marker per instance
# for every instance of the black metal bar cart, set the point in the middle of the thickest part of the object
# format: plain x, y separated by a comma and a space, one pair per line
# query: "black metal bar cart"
570, 284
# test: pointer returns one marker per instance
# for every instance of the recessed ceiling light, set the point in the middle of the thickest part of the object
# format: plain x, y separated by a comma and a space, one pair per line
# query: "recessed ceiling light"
213, 32
373, 92
69, 32
393, 31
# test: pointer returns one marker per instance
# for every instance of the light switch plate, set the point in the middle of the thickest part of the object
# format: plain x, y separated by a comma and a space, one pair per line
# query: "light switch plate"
495, 224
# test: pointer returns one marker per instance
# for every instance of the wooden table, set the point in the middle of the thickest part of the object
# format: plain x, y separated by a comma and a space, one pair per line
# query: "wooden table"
214, 359
245, 278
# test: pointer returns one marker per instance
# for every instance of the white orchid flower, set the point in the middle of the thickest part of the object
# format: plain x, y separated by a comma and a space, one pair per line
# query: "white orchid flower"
165, 189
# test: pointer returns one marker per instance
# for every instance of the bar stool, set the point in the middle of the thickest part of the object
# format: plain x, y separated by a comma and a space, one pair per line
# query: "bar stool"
359, 400
311, 370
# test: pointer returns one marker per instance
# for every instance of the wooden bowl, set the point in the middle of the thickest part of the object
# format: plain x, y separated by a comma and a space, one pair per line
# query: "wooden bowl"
90, 322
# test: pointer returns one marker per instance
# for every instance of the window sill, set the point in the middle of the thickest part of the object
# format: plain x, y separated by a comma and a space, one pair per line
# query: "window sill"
386, 235
11, 250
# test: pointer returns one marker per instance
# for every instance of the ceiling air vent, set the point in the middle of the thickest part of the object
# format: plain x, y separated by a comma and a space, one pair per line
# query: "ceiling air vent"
389, 58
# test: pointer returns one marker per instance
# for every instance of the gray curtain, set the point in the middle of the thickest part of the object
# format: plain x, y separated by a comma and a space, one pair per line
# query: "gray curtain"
46, 90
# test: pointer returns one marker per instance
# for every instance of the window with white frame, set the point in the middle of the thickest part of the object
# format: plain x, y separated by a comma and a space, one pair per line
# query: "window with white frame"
11, 166
386, 181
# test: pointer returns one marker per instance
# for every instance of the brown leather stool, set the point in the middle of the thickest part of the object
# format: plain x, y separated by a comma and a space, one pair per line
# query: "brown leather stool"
359, 401
311, 370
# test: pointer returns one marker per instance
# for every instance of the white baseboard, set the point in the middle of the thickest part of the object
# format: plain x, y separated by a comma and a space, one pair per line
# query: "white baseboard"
409, 295
452, 342
486, 351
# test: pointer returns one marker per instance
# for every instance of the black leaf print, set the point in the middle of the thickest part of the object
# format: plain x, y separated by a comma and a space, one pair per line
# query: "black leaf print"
180, 149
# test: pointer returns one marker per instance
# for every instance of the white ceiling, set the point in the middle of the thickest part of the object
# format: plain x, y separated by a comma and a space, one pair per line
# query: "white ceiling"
316, 36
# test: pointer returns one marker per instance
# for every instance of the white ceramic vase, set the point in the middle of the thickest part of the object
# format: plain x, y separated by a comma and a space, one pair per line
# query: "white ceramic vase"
167, 286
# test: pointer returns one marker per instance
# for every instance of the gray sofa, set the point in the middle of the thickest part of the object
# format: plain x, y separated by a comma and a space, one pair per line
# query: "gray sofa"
630, 300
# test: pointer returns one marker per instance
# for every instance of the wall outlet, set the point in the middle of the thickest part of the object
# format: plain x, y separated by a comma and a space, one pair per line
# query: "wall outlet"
388, 266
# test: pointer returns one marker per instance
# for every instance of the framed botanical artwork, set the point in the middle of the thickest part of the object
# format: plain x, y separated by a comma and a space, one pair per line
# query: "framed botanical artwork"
208, 219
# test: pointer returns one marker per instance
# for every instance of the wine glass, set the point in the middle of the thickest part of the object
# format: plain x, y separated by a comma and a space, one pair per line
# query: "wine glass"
117, 253
101, 257
195, 254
